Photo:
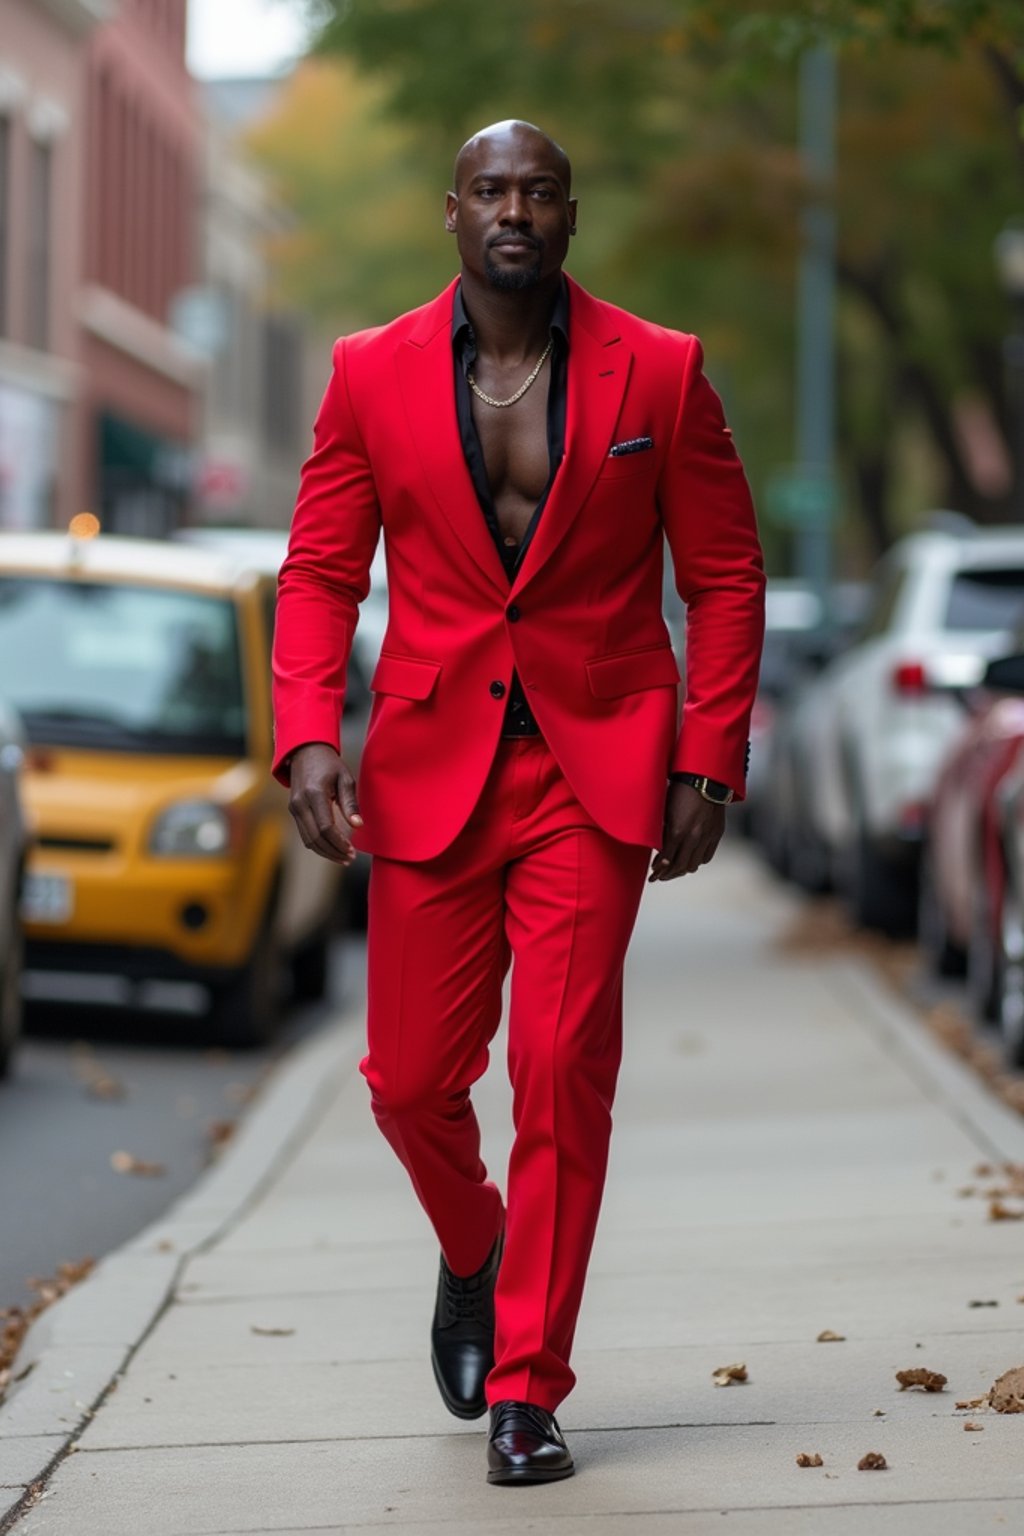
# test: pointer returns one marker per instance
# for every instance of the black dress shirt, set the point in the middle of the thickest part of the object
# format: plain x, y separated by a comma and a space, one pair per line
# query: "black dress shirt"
519, 720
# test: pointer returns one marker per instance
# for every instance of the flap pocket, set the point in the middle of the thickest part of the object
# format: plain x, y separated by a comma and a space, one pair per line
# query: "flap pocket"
631, 671
405, 677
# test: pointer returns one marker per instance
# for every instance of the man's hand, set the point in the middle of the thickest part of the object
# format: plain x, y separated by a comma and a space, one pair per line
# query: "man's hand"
693, 830
323, 801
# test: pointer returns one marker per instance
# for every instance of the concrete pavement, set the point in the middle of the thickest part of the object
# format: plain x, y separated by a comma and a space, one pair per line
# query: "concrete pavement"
788, 1155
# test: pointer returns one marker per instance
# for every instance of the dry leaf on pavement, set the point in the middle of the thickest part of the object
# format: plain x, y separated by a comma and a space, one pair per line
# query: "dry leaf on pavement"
983, 1303
124, 1162
998, 1211
827, 1336
972, 1402
727, 1375
271, 1333
874, 1461
929, 1381
809, 1459
1007, 1393
969, 1424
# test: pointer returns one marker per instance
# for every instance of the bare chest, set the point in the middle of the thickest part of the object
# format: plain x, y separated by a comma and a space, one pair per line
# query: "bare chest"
514, 442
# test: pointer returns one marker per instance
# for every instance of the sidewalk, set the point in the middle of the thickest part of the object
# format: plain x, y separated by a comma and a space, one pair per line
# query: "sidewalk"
788, 1152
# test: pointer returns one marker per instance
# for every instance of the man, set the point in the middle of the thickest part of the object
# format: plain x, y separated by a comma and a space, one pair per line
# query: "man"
525, 450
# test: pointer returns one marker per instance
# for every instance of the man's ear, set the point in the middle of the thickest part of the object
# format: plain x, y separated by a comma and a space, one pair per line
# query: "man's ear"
451, 208
573, 205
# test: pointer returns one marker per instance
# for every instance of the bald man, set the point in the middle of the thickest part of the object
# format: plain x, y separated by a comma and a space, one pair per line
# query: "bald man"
526, 450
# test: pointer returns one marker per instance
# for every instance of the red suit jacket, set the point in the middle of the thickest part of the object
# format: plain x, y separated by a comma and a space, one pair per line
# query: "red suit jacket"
589, 643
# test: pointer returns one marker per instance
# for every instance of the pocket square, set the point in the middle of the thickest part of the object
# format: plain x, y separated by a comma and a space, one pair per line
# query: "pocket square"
631, 445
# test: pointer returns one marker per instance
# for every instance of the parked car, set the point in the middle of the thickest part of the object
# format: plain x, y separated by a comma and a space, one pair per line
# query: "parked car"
794, 657
883, 715
963, 867
163, 848
264, 550
14, 839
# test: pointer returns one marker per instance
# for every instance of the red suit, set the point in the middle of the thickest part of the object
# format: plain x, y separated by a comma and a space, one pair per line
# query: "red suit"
487, 850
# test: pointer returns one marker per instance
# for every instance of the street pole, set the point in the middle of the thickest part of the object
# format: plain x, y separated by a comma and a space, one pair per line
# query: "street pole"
815, 430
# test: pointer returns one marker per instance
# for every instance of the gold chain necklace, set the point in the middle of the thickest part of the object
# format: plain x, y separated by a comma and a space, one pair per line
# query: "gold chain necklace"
520, 392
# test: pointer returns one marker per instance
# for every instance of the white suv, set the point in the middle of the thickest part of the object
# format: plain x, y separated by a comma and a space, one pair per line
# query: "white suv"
886, 711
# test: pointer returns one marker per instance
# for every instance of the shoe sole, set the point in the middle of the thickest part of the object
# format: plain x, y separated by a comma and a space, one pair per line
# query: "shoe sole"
460, 1411
529, 1475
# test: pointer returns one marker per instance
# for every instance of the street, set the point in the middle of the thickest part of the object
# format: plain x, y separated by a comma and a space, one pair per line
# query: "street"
144, 1084
801, 1186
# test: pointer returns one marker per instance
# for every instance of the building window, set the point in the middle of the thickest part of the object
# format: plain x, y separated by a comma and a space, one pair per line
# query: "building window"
5, 216
39, 252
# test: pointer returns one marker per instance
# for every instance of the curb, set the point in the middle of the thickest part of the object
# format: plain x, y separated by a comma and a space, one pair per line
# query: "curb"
77, 1349
948, 1081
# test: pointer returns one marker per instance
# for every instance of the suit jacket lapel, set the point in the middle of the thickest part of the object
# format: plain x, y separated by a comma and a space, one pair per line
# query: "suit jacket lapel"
599, 364
426, 383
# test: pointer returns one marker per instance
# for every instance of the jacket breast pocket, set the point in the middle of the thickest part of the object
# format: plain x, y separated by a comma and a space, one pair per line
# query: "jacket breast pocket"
405, 677
653, 666
629, 466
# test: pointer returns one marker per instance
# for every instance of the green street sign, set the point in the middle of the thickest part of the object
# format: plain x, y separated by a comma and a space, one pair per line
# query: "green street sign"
801, 498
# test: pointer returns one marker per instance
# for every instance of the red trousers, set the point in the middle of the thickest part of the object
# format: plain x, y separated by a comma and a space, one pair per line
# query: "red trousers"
532, 881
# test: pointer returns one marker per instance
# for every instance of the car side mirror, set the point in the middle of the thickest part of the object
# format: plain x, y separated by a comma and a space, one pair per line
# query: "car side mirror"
1005, 674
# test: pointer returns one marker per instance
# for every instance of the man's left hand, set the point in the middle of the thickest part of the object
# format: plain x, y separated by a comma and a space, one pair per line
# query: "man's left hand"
693, 830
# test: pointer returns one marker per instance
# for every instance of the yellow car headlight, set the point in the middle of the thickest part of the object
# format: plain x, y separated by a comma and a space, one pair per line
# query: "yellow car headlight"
191, 829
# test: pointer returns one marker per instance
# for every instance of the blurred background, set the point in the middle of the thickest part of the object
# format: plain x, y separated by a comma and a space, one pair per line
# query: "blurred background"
196, 197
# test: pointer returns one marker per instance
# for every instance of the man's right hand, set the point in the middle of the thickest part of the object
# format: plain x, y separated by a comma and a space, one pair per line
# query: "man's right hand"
323, 801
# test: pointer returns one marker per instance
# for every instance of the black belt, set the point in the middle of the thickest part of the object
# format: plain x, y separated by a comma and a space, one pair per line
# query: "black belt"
519, 719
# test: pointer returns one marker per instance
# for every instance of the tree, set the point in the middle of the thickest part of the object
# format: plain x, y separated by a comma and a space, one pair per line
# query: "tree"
681, 114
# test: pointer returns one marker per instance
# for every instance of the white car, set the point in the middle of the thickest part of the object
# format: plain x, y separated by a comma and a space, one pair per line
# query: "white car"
13, 846
878, 721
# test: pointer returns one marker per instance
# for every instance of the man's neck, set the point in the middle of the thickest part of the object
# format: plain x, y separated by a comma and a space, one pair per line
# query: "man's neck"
510, 325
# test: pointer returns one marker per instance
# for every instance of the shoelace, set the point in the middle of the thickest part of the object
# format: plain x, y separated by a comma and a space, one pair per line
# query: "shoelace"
512, 1415
462, 1297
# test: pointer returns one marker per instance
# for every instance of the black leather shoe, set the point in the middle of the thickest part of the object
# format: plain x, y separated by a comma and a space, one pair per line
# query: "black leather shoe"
462, 1336
526, 1445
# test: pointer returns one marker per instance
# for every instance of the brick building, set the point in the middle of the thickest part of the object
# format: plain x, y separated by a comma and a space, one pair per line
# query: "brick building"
140, 392
42, 175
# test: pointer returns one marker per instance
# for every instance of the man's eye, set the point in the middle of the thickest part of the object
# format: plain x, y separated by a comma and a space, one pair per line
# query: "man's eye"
544, 193
487, 191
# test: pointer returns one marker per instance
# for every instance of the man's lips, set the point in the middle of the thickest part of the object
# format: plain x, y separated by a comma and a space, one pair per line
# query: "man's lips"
521, 243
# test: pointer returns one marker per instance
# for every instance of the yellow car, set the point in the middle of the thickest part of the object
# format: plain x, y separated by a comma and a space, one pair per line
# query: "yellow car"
162, 848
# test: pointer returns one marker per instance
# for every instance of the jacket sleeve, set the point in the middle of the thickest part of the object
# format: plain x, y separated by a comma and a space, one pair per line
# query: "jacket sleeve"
709, 521
324, 577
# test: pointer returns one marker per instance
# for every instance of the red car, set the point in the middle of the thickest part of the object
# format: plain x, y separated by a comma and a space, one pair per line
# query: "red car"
963, 880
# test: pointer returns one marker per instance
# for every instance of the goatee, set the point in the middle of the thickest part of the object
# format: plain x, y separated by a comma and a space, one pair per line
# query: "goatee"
513, 279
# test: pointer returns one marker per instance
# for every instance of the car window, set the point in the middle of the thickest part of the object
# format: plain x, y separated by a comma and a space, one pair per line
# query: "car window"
122, 668
981, 599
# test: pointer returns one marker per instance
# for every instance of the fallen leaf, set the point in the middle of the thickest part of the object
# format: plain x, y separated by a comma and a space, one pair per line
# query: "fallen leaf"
966, 1191
271, 1333
972, 1402
726, 1375
984, 1171
165, 1245
1007, 1393
983, 1303
997, 1211
930, 1381
828, 1337
879, 1413
969, 1424
125, 1162
874, 1461
15, 1321
809, 1459
220, 1131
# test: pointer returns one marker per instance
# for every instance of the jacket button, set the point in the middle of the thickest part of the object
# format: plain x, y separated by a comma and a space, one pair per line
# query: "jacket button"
497, 690
513, 614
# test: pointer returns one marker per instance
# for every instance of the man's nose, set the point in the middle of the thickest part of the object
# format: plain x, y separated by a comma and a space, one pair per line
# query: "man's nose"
516, 209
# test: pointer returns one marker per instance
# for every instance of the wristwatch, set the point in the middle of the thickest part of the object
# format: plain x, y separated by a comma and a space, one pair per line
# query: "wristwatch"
711, 789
